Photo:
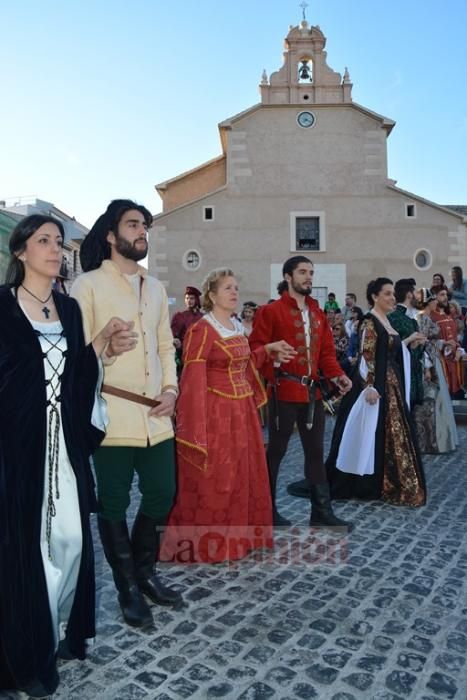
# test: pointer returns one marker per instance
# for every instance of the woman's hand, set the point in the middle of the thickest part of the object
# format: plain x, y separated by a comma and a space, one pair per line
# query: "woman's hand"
280, 351
372, 396
415, 339
116, 337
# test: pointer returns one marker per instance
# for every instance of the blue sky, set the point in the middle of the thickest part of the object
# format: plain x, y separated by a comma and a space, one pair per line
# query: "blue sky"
105, 98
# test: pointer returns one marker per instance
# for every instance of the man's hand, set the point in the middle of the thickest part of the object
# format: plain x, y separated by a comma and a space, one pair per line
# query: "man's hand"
281, 351
122, 341
343, 383
166, 406
111, 332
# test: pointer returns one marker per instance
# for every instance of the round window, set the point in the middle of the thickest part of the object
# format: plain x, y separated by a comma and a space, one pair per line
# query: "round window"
422, 259
191, 260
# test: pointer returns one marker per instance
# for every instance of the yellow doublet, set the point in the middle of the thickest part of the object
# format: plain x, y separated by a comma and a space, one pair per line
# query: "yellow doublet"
147, 369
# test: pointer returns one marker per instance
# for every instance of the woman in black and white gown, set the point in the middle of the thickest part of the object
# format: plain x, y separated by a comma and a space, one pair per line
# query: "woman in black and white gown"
51, 420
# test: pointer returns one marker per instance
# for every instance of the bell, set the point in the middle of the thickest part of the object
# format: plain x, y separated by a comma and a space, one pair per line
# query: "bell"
304, 72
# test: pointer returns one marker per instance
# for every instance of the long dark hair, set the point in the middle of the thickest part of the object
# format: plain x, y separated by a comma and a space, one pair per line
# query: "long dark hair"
95, 248
18, 240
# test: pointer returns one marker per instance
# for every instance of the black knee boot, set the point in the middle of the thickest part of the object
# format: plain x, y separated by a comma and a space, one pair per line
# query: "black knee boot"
145, 543
277, 519
117, 550
321, 508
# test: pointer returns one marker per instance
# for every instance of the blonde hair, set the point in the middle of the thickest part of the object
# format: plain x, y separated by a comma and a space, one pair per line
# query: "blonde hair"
211, 283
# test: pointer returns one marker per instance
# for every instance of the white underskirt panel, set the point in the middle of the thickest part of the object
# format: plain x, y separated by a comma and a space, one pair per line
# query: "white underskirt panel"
62, 571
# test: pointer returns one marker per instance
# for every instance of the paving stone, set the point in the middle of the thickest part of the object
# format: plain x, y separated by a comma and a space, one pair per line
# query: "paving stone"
449, 662
220, 690
457, 642
336, 657
172, 664
361, 681
401, 682
260, 654
343, 696
194, 647
114, 674
311, 641
444, 686
323, 625
280, 675
238, 673
411, 661
426, 627
185, 628
393, 627
103, 654
139, 659
371, 662
131, 692
304, 691
348, 642
151, 679
86, 691
420, 644
382, 643
183, 688
258, 691
322, 674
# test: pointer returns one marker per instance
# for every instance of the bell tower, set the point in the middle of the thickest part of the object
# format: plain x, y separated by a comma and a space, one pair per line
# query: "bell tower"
305, 77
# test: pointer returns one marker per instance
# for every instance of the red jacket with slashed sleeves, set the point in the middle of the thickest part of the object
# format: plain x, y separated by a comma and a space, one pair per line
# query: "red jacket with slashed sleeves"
282, 320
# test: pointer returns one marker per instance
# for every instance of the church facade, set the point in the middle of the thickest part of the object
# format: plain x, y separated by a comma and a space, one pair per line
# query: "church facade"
302, 172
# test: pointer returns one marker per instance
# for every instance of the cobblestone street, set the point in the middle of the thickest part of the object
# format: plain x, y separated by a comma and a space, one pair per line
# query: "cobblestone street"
386, 619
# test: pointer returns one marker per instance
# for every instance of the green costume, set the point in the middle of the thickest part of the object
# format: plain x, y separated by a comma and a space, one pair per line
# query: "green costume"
405, 326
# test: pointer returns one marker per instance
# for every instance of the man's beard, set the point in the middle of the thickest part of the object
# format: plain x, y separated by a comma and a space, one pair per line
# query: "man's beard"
443, 305
300, 290
129, 250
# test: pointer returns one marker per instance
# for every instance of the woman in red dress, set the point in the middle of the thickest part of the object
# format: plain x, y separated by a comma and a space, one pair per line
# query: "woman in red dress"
223, 507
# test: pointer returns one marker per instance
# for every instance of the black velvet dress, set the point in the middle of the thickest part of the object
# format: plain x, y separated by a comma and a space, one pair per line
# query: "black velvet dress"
398, 474
27, 644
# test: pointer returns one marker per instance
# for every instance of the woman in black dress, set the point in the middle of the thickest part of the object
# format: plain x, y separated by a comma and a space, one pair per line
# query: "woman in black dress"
397, 474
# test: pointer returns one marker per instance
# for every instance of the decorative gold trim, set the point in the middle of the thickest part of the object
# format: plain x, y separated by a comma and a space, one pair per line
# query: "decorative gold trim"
229, 396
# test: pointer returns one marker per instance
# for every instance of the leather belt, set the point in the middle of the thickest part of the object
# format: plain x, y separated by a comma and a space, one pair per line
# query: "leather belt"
129, 396
310, 384
303, 380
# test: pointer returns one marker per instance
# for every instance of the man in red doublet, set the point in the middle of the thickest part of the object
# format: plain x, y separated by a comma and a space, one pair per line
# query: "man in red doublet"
182, 320
452, 352
294, 396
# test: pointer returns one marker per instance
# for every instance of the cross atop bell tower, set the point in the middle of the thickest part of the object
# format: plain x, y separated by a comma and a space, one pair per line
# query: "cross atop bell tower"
305, 77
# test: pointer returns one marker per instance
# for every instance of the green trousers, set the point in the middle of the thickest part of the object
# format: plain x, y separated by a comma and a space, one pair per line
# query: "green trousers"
115, 468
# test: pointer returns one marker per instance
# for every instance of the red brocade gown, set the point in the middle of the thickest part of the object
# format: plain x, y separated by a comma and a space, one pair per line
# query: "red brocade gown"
223, 506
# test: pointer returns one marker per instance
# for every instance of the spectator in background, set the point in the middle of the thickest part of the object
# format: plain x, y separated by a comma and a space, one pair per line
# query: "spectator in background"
331, 304
182, 320
341, 344
437, 280
352, 352
349, 303
452, 352
247, 316
458, 288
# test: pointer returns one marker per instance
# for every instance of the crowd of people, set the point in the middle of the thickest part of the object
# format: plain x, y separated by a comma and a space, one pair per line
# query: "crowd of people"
181, 410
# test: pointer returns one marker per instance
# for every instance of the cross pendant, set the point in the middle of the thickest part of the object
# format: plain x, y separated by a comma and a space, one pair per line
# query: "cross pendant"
46, 312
